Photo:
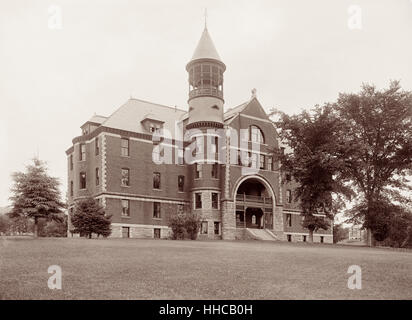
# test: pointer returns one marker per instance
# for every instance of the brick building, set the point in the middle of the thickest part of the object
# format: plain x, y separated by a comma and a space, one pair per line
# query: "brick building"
146, 162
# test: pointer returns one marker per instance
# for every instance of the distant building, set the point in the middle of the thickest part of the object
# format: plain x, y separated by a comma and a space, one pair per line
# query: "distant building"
114, 161
355, 232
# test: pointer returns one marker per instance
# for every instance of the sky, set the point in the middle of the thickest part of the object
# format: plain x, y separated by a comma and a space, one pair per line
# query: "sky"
61, 61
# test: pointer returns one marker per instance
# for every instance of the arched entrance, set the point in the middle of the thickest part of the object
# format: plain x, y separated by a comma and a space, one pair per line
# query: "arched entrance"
254, 200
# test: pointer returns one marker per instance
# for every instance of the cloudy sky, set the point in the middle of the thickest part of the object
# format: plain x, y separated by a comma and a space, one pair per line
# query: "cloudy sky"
54, 76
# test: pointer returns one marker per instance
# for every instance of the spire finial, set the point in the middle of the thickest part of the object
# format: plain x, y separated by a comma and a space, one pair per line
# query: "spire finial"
254, 93
205, 18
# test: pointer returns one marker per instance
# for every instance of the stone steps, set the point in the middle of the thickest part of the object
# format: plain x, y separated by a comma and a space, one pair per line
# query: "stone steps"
261, 234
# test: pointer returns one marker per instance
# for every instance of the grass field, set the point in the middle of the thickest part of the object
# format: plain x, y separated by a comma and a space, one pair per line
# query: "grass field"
162, 269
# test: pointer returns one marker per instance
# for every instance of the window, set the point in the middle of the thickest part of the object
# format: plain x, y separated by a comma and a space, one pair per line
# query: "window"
156, 180
71, 189
96, 146
254, 160
304, 238
180, 156
97, 176
289, 237
71, 162
156, 210
217, 227
203, 228
198, 200
215, 169
198, 168
215, 200
156, 233
125, 147
321, 239
181, 183
82, 180
125, 177
289, 196
82, 152
125, 208
125, 232
262, 161
256, 135
253, 219
289, 220
270, 163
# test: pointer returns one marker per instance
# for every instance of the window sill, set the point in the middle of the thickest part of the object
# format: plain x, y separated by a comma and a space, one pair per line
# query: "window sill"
158, 219
125, 217
125, 156
154, 189
125, 186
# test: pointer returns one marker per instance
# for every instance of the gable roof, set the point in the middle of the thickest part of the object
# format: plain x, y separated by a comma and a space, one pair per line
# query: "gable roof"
129, 116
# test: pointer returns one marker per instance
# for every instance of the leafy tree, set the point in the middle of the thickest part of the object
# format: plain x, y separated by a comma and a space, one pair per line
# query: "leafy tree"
36, 195
177, 224
377, 131
314, 162
89, 217
191, 224
184, 224
54, 228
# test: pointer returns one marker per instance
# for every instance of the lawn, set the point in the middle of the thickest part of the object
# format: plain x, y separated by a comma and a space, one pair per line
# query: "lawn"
165, 269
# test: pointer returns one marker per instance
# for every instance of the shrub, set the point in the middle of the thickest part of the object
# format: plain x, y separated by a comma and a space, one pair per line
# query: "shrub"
184, 226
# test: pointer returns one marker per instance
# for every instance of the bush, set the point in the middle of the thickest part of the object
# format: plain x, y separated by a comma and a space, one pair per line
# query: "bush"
184, 226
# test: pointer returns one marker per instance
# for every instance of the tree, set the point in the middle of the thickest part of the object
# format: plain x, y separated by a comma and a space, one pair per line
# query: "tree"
184, 224
4, 224
377, 130
89, 217
314, 162
36, 195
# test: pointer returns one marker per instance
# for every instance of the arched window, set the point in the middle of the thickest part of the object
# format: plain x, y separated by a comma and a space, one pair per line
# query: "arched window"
256, 135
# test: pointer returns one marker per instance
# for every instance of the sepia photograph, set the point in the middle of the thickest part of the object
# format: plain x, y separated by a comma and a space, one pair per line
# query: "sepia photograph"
183, 152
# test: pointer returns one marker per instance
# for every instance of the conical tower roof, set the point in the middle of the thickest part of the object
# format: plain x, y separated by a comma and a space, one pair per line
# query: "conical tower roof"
205, 48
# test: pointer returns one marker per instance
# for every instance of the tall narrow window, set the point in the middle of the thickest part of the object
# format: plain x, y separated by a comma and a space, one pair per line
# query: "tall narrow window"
262, 161
204, 227
125, 177
198, 200
156, 210
215, 169
217, 228
289, 220
96, 146
125, 147
215, 200
97, 176
198, 169
289, 196
71, 188
156, 180
254, 160
181, 183
125, 208
256, 135
71, 162
82, 180
82, 152
270, 163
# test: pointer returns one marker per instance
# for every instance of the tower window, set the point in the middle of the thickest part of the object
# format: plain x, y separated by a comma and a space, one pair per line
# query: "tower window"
125, 177
156, 180
71, 189
215, 170
262, 161
289, 220
198, 169
217, 228
215, 200
125, 147
198, 200
82, 180
82, 152
71, 162
204, 227
181, 183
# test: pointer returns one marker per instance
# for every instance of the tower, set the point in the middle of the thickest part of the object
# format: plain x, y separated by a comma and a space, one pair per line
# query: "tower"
205, 85
205, 101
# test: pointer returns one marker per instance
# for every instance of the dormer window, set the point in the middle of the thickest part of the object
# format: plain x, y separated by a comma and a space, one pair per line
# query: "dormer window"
151, 124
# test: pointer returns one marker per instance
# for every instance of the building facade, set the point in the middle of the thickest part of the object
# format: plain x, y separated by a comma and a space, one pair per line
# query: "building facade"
146, 162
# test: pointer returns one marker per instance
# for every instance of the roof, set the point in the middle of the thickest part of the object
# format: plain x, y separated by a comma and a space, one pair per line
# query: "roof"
205, 48
129, 116
97, 119
233, 111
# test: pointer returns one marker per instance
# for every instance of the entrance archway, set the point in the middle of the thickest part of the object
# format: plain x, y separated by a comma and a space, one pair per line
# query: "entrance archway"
254, 202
